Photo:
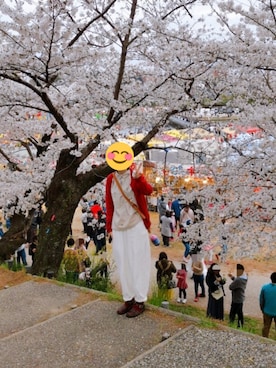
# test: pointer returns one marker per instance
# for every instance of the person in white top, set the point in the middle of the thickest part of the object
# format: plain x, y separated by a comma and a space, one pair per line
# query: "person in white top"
166, 228
21, 253
127, 224
187, 216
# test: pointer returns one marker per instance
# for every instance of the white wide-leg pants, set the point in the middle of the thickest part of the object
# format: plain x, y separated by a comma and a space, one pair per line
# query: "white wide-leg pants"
131, 252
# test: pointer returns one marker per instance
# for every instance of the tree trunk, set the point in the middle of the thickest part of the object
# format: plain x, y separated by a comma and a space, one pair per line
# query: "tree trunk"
63, 196
13, 238
54, 230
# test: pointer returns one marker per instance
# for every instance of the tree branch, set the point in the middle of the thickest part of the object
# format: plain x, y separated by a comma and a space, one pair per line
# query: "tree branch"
81, 31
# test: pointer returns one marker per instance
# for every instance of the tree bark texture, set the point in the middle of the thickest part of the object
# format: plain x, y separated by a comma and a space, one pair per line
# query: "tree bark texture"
62, 199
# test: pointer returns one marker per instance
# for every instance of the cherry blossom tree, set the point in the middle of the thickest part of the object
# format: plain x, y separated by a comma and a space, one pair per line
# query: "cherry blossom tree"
247, 74
62, 63
76, 74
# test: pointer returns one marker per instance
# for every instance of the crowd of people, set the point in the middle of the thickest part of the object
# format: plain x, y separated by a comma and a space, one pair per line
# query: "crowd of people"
176, 217
215, 284
122, 217
93, 220
181, 219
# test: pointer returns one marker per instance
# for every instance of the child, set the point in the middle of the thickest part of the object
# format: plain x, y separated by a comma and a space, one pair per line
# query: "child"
182, 285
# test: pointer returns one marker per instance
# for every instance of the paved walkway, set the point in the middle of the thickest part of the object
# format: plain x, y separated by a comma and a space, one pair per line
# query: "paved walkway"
46, 324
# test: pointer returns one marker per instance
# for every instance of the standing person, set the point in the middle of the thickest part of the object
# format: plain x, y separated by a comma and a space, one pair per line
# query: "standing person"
95, 208
187, 215
166, 228
237, 286
176, 208
128, 223
184, 237
35, 224
198, 277
70, 261
21, 253
84, 219
267, 300
198, 210
1, 230
215, 282
84, 204
79, 246
8, 222
173, 220
182, 285
32, 248
186, 219
165, 270
82, 255
162, 208
153, 201
91, 228
101, 233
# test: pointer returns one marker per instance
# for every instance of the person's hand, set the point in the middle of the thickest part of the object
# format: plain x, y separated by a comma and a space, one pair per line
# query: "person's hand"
138, 170
109, 236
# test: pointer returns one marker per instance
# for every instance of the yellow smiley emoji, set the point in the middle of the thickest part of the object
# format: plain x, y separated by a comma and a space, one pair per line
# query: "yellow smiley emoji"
119, 156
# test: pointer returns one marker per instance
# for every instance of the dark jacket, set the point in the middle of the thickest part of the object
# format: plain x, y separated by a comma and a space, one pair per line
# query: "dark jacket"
211, 281
165, 269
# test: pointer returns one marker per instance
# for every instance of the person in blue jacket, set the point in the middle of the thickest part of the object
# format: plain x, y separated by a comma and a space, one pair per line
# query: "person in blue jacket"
176, 208
267, 301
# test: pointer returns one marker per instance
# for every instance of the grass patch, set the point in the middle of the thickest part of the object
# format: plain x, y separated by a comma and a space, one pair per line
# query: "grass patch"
96, 279
12, 265
251, 324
